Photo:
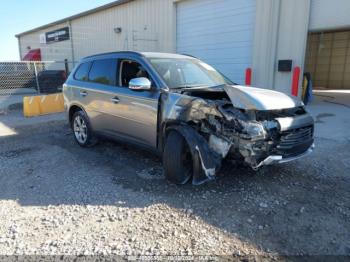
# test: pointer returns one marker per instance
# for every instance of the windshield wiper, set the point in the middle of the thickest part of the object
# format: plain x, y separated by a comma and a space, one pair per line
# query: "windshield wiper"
217, 86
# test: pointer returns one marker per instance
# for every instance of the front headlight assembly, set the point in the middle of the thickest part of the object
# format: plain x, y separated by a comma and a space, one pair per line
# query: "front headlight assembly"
253, 130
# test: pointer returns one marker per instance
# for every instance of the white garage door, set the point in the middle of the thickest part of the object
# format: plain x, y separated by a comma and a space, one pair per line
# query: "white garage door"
220, 32
329, 14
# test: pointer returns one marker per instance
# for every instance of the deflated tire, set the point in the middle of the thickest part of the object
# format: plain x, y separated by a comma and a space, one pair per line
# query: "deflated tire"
177, 160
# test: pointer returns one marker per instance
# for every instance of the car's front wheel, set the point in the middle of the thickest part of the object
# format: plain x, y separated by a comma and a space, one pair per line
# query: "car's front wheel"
177, 159
82, 130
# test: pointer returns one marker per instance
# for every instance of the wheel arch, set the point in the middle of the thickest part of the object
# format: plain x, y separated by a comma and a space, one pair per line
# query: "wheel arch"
166, 128
207, 161
73, 109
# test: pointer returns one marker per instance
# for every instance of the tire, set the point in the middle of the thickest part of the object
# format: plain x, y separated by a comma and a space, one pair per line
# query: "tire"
82, 130
177, 159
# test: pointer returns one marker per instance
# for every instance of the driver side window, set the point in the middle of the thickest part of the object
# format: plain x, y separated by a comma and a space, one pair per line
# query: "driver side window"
130, 69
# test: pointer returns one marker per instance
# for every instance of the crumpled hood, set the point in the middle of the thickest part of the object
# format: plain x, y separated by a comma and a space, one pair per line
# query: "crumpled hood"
251, 98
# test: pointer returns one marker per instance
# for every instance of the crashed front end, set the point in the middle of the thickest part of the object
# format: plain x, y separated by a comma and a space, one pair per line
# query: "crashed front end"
215, 130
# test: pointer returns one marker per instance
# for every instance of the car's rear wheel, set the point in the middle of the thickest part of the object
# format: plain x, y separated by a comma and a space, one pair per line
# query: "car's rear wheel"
177, 159
82, 130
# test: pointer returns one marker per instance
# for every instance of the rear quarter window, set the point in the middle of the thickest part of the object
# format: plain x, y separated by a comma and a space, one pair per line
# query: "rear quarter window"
104, 72
82, 73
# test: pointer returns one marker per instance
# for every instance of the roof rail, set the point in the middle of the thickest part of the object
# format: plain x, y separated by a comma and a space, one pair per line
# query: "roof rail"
116, 52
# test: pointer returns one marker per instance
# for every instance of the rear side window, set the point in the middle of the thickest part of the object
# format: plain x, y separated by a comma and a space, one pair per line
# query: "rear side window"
82, 73
104, 72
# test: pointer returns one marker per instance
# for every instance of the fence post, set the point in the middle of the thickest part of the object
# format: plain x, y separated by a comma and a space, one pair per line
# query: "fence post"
66, 66
36, 77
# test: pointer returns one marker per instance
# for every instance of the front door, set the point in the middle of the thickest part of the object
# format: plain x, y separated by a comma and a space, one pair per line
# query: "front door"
136, 111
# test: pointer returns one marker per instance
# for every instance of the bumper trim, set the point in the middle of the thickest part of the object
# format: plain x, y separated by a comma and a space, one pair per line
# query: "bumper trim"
280, 160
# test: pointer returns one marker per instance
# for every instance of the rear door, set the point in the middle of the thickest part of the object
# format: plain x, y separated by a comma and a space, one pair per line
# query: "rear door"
99, 93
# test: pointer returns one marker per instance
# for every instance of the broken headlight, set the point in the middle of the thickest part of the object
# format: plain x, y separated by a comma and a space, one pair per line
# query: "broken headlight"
253, 130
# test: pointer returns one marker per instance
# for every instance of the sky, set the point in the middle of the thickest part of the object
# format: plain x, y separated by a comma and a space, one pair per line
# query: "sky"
17, 16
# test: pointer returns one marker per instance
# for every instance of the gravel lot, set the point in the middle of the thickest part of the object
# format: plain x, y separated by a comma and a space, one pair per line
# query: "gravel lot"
57, 198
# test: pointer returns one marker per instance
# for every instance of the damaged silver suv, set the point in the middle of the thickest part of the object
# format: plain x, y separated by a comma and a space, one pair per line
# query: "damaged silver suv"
185, 110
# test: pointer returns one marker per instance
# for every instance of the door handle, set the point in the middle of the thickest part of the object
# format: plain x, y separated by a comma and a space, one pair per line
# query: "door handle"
83, 93
115, 100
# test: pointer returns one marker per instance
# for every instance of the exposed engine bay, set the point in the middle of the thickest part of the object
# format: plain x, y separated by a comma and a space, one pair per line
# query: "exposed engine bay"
216, 126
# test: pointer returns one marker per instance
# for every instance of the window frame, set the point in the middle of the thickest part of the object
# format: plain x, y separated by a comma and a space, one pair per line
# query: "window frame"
121, 60
88, 71
115, 74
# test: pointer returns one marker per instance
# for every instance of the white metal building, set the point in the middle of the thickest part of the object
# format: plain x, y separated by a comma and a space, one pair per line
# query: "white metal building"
230, 35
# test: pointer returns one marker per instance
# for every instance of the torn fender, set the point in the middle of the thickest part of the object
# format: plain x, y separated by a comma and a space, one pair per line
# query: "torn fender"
206, 162
185, 108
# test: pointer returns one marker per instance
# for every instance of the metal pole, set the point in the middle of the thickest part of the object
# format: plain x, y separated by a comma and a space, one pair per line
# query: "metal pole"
66, 66
19, 48
71, 41
36, 78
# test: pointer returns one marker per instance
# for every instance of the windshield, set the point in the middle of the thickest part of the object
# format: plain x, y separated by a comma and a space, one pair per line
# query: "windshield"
186, 73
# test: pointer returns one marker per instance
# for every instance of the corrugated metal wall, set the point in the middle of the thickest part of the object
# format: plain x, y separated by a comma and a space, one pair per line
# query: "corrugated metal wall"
150, 25
147, 25
291, 40
329, 14
49, 52
280, 33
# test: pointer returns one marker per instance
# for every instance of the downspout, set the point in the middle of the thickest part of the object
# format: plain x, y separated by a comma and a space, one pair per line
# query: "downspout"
174, 18
71, 41
19, 48
305, 43
275, 47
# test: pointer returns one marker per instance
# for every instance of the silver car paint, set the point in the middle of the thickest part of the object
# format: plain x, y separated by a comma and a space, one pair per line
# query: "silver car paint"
252, 98
133, 118
133, 115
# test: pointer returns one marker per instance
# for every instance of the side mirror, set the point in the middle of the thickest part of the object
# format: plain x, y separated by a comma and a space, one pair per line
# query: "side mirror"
140, 83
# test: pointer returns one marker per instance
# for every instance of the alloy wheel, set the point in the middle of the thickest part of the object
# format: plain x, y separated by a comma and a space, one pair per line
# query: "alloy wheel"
80, 129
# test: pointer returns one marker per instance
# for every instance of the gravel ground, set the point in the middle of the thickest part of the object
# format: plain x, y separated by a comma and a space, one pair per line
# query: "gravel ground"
57, 198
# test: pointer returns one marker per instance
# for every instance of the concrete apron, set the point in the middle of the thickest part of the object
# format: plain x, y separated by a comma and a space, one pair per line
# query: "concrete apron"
331, 110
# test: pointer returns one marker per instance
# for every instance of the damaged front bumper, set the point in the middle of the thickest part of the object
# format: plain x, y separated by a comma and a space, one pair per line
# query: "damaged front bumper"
215, 130
278, 159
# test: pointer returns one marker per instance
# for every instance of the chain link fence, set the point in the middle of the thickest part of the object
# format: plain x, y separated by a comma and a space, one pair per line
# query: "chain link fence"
33, 77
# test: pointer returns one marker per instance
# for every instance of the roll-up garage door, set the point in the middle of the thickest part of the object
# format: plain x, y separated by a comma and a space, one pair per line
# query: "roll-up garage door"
220, 32
328, 59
